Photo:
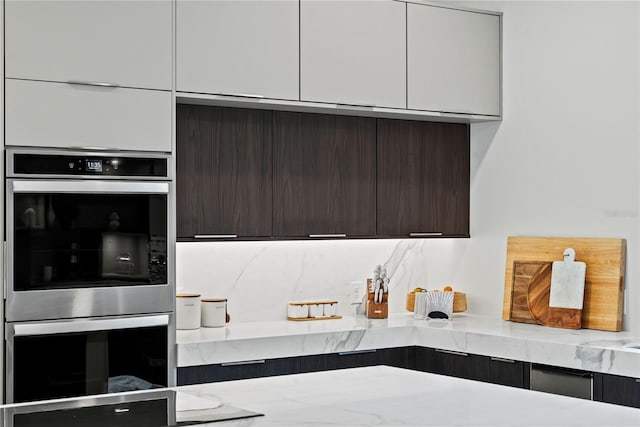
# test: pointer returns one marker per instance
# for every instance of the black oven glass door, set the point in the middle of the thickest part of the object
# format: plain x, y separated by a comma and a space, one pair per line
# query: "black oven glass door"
66, 239
55, 360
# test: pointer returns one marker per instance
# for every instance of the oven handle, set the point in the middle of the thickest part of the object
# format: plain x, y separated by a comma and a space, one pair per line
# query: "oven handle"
86, 186
51, 328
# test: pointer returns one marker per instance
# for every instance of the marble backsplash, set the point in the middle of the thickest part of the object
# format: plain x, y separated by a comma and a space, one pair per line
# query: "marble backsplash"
259, 278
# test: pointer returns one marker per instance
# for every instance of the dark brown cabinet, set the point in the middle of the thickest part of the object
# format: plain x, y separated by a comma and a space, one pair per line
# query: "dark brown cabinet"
403, 357
473, 367
616, 389
237, 371
224, 171
258, 174
509, 372
452, 363
423, 178
323, 175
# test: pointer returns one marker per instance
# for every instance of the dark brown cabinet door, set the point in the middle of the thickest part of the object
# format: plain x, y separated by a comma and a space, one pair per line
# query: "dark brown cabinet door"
423, 178
509, 372
452, 363
616, 389
223, 171
323, 175
473, 367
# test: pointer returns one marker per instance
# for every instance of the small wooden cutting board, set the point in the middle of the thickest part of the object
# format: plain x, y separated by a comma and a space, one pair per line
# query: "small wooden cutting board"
524, 275
538, 296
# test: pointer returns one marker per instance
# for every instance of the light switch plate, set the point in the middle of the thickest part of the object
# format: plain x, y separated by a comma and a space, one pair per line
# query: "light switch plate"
356, 292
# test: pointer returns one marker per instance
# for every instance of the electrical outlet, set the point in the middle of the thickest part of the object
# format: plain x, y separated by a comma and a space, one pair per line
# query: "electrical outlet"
356, 292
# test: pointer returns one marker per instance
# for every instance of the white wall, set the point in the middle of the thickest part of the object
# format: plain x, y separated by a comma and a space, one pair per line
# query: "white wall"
565, 159
563, 162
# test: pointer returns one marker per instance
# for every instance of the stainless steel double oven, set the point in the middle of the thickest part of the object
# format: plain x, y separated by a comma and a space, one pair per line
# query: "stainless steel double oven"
89, 286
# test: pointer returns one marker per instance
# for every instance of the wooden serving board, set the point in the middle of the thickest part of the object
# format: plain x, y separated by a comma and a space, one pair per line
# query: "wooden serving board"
524, 274
536, 307
604, 282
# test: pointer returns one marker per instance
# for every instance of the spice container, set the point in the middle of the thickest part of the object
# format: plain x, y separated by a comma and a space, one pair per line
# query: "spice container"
312, 310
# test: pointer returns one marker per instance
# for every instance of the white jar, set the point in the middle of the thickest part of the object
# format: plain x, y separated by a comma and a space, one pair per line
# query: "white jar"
297, 311
214, 312
316, 310
330, 309
187, 311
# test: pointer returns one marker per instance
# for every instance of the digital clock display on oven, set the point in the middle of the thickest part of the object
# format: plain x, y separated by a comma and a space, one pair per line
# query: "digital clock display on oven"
94, 165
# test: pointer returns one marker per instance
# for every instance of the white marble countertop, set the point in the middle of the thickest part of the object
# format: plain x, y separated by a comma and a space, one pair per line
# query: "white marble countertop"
388, 396
597, 351
371, 396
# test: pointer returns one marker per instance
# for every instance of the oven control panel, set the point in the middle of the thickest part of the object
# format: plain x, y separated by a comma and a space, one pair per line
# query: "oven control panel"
73, 165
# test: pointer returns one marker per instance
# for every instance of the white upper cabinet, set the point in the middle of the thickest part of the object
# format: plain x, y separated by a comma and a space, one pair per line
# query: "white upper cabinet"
124, 43
353, 52
238, 47
453, 60
45, 114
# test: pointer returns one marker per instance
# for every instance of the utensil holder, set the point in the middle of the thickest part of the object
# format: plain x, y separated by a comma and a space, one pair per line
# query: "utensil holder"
376, 310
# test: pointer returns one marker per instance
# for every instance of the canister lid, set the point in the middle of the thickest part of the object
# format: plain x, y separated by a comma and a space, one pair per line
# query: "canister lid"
188, 296
214, 300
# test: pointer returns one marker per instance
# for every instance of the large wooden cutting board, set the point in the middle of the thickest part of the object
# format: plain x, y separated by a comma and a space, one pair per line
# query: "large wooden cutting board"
604, 281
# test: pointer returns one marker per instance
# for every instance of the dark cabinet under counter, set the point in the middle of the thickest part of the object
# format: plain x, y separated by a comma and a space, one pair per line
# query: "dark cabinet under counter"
616, 389
513, 373
476, 367
402, 357
443, 362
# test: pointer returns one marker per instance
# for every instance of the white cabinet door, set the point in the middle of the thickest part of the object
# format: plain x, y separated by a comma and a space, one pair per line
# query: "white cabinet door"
453, 60
127, 43
44, 114
353, 52
238, 47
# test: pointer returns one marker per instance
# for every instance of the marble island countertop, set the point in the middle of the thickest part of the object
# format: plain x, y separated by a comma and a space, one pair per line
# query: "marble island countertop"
388, 396
377, 395
597, 351
383, 395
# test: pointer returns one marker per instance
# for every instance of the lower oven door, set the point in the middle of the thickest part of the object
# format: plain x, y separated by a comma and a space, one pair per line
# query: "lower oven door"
47, 360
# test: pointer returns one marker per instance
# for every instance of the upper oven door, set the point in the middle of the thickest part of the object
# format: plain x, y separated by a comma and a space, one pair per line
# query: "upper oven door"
82, 248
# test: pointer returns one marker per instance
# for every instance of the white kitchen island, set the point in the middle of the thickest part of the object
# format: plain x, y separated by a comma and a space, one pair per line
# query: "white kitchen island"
370, 396
386, 396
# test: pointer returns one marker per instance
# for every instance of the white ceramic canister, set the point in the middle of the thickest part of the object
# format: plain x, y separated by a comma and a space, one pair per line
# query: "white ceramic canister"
187, 311
297, 310
214, 312
316, 310
330, 309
